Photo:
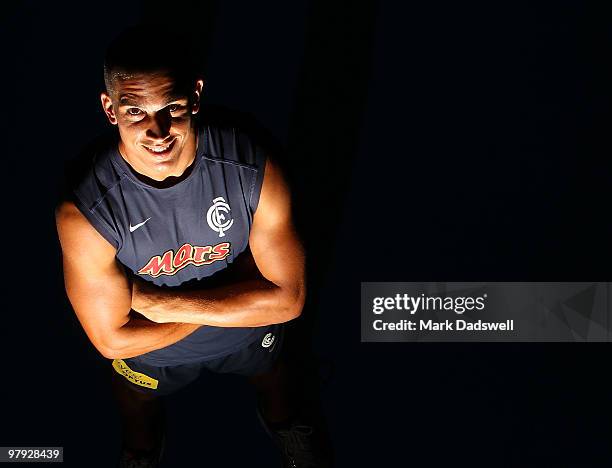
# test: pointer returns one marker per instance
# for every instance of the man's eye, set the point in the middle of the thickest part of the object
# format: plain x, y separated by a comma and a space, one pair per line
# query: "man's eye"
173, 107
134, 111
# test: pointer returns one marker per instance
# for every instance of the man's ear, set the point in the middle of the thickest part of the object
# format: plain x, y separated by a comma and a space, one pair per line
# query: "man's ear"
107, 106
197, 95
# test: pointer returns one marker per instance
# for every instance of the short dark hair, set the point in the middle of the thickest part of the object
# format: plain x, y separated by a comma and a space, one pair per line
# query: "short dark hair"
148, 48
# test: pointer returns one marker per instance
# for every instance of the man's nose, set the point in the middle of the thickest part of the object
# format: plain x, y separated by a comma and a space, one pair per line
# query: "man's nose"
160, 125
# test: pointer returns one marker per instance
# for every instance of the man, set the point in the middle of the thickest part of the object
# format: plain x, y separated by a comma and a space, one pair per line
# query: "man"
179, 251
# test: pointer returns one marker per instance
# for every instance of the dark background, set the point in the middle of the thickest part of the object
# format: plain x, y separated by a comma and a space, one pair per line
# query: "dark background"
424, 141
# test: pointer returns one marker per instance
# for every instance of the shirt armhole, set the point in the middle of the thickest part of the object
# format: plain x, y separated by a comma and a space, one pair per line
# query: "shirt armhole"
257, 184
96, 222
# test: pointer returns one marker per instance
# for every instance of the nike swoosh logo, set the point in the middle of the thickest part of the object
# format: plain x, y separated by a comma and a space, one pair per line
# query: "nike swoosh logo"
133, 228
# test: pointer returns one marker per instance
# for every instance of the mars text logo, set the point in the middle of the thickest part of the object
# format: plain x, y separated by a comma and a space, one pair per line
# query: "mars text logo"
171, 262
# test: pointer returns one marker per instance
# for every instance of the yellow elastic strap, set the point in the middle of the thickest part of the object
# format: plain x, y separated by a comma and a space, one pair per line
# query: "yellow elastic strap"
135, 377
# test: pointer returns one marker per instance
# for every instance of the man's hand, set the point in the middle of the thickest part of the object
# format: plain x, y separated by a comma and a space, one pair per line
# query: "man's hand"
149, 300
145, 297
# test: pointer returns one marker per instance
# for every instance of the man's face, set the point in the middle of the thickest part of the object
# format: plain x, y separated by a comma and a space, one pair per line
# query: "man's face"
155, 121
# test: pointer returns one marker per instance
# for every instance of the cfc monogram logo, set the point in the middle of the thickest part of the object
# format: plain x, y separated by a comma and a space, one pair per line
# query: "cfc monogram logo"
216, 216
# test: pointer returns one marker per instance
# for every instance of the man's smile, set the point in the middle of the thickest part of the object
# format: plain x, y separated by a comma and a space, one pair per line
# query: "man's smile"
160, 150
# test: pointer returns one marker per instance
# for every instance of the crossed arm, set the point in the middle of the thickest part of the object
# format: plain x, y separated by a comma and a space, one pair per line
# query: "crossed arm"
103, 296
274, 296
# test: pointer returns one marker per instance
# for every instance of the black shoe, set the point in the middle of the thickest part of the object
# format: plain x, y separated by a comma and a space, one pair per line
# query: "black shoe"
149, 459
301, 444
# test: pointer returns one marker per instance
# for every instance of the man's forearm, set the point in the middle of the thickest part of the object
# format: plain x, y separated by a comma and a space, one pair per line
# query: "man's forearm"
139, 336
249, 303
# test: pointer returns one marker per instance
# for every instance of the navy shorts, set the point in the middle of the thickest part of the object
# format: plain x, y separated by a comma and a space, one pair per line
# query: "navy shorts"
256, 358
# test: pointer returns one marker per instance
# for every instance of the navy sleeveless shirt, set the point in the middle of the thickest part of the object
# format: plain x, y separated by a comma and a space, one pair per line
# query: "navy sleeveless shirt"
188, 231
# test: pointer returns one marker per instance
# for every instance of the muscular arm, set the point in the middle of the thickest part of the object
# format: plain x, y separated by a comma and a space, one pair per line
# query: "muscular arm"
101, 293
276, 296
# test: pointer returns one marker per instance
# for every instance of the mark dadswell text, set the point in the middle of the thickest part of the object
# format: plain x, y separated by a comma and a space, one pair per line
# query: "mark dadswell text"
446, 325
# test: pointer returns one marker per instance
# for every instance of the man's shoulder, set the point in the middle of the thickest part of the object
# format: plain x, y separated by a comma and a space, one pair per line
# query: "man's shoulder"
232, 144
88, 179
90, 174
